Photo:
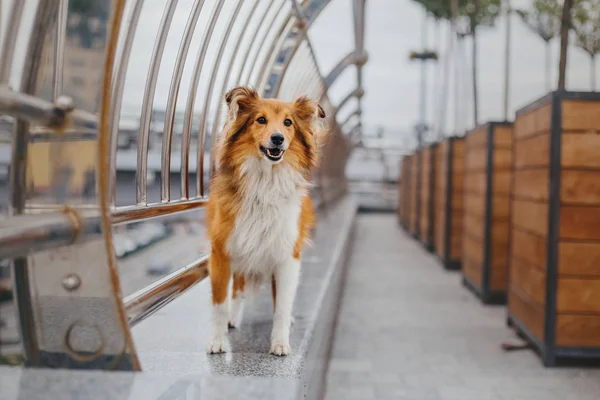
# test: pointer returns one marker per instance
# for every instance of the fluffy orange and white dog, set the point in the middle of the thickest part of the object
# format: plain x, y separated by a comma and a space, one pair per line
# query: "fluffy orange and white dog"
259, 212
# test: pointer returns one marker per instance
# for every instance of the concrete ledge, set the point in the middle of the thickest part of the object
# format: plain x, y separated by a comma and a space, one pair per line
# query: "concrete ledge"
171, 343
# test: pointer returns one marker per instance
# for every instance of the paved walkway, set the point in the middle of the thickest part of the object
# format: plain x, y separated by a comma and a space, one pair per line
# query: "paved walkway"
409, 330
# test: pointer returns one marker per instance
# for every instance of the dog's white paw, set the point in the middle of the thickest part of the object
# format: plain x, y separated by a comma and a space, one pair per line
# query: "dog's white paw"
217, 345
280, 349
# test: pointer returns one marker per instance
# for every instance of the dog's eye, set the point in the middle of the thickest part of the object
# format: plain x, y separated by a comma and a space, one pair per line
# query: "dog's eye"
261, 120
287, 122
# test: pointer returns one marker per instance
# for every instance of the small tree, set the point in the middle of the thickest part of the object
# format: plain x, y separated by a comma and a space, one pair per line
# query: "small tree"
473, 14
565, 28
544, 19
586, 24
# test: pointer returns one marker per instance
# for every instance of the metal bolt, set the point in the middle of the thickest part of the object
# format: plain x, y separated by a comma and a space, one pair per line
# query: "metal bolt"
71, 282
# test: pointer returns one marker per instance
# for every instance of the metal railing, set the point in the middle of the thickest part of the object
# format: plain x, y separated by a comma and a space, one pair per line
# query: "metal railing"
64, 68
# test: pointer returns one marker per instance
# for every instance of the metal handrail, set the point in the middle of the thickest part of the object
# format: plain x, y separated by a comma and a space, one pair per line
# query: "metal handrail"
80, 227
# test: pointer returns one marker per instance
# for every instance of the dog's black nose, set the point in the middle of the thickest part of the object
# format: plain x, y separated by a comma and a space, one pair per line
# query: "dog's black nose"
277, 139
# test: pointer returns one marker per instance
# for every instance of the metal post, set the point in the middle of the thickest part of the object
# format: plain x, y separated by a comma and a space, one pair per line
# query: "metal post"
507, 61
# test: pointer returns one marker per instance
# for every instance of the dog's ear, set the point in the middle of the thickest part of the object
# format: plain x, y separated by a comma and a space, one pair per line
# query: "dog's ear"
240, 99
310, 111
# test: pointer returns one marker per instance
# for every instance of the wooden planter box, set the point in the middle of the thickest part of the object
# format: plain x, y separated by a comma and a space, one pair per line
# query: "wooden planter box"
414, 190
448, 201
404, 195
487, 178
426, 215
554, 295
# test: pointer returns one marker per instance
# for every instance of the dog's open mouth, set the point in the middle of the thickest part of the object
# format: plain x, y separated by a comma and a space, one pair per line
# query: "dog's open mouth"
274, 154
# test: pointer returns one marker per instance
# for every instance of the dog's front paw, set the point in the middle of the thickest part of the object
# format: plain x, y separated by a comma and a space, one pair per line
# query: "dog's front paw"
280, 349
217, 345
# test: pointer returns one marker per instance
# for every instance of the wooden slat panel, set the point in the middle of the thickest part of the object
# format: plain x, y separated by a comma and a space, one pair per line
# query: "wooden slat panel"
503, 136
533, 151
502, 182
533, 122
579, 258
502, 159
530, 216
543, 118
578, 330
475, 182
581, 187
499, 242
476, 159
580, 222
472, 270
472, 249
580, 150
474, 205
456, 245
528, 247
532, 184
529, 280
498, 278
524, 309
474, 226
500, 207
525, 125
477, 138
578, 295
580, 115
440, 233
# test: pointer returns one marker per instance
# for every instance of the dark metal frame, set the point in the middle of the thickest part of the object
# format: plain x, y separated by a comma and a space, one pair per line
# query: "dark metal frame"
417, 162
405, 194
446, 261
547, 348
485, 293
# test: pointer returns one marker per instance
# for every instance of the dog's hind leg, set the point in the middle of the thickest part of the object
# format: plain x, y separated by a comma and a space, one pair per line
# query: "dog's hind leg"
220, 274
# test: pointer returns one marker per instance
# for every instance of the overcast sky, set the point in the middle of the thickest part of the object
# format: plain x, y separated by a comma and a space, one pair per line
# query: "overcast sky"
393, 29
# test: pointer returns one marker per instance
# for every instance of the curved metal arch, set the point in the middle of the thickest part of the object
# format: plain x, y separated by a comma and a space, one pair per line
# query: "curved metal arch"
294, 36
358, 93
352, 58
355, 113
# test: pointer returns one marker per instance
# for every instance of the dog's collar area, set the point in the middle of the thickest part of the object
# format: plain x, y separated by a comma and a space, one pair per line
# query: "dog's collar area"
274, 154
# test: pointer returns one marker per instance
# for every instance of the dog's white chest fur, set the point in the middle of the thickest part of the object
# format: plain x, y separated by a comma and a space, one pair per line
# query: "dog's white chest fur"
266, 227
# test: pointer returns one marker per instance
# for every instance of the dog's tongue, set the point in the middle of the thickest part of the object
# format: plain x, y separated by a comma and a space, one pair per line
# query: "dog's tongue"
274, 152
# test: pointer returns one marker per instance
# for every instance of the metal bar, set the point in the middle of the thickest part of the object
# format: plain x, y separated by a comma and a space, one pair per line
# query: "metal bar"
136, 213
191, 99
23, 234
238, 80
59, 48
349, 117
56, 116
207, 98
299, 12
262, 42
298, 42
10, 40
358, 92
165, 184
216, 119
276, 44
350, 59
18, 181
118, 87
146, 116
147, 301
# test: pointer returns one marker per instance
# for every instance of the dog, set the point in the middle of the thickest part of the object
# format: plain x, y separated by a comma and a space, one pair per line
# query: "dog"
259, 211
